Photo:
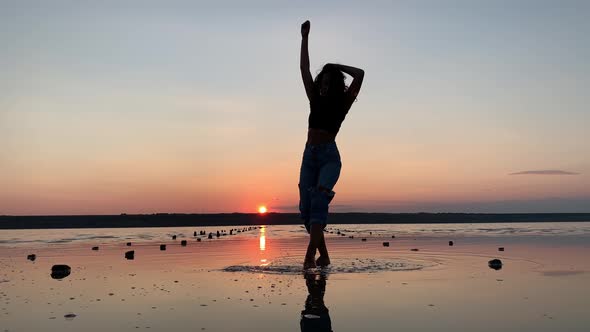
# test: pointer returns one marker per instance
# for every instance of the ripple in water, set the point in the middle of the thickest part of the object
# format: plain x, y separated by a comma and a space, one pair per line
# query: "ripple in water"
293, 265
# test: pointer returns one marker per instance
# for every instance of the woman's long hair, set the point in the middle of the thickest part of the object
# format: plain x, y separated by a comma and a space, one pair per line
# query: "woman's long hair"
337, 88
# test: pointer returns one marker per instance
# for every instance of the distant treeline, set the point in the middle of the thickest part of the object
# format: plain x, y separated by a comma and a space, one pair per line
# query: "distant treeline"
236, 219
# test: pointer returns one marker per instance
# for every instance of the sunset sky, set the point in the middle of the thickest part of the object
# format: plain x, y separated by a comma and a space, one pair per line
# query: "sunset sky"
187, 106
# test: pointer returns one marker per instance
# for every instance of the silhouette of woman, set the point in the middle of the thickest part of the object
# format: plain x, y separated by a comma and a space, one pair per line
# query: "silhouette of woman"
329, 100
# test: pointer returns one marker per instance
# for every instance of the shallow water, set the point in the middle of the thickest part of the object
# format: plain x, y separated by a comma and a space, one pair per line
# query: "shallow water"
253, 280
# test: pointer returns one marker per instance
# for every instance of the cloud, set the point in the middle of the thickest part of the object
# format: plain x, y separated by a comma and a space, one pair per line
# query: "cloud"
545, 172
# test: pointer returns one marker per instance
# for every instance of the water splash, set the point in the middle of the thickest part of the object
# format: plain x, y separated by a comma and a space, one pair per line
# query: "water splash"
293, 265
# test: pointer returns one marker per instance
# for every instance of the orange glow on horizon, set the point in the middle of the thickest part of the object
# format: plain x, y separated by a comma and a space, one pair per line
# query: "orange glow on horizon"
262, 209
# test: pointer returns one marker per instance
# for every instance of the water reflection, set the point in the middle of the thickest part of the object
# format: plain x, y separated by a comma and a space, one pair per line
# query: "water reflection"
262, 246
315, 317
262, 238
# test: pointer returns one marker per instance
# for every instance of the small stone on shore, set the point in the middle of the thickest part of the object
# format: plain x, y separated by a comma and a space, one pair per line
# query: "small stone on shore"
60, 271
495, 264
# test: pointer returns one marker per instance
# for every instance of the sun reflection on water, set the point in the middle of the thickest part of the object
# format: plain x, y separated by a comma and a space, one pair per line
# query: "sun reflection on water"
262, 246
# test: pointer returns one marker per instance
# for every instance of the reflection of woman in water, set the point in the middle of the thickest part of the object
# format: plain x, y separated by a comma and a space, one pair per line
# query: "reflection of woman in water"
315, 317
329, 101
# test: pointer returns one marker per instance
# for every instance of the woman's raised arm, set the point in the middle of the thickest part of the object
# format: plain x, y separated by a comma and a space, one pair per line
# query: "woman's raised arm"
304, 60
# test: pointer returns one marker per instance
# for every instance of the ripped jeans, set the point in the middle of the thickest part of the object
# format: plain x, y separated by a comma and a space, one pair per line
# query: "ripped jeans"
320, 170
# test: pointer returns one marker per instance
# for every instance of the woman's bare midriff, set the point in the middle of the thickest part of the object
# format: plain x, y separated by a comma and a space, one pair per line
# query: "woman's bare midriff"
319, 136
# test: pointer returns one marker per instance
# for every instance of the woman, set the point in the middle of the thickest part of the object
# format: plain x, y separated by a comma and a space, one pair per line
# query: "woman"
329, 101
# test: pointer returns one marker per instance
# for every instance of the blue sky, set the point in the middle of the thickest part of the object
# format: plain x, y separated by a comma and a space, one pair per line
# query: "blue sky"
195, 106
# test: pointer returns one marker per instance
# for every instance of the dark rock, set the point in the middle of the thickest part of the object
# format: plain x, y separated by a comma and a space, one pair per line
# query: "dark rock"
414, 249
363, 239
210, 236
94, 248
130, 254
195, 233
173, 237
495, 264
218, 235
162, 247
351, 236
231, 232
129, 244
198, 239
393, 236
501, 249
370, 233
32, 257
451, 243
60, 271
386, 244
183, 243
70, 316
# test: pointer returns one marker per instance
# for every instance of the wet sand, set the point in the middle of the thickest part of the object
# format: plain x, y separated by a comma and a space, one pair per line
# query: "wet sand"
253, 280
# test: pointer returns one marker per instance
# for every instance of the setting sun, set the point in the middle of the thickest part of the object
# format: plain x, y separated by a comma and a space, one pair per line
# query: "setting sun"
262, 209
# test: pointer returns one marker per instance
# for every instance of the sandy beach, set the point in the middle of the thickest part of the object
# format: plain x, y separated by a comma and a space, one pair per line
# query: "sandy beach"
252, 280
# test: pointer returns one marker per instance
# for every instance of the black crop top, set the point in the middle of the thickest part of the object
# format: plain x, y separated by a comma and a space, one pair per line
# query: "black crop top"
326, 114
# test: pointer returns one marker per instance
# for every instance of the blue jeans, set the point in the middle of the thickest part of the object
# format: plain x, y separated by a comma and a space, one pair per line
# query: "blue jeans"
320, 170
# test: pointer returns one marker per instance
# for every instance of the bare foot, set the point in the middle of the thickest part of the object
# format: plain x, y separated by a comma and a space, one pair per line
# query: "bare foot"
323, 261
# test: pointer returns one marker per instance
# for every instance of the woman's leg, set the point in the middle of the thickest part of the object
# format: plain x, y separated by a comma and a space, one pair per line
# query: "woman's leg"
321, 198
308, 179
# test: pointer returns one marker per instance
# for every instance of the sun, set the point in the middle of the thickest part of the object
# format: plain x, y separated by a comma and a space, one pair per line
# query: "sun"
262, 209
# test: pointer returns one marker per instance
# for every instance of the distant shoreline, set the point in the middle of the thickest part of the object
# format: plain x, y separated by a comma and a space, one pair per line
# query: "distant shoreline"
245, 219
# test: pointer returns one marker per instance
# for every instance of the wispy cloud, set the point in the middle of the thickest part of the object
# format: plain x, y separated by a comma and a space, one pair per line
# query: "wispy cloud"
545, 172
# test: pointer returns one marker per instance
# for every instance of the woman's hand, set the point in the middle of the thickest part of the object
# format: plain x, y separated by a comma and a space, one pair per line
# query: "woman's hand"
305, 29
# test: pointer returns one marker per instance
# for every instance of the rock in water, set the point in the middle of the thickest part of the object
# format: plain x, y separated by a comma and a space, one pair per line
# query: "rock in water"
195, 233
162, 247
210, 236
218, 235
414, 249
32, 257
69, 316
60, 271
495, 264
94, 248
173, 237
183, 243
129, 244
386, 244
451, 243
501, 249
130, 254
198, 239
363, 239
